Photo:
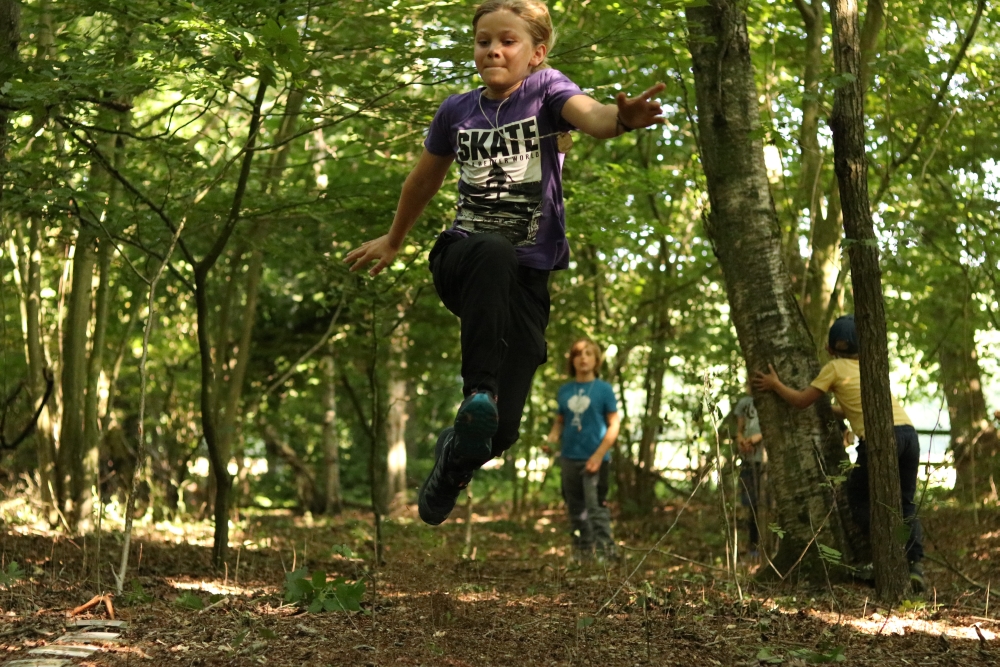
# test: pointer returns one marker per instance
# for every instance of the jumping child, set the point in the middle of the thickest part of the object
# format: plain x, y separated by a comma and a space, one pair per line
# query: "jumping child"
491, 268
842, 376
587, 425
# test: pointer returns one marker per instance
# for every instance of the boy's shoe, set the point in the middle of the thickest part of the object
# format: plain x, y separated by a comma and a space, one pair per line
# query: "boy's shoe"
476, 424
440, 490
917, 577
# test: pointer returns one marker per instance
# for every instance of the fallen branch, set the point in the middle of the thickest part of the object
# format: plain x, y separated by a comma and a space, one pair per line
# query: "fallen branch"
971, 581
93, 602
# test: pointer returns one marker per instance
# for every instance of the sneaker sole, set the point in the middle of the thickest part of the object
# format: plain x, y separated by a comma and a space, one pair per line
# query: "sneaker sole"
475, 424
428, 515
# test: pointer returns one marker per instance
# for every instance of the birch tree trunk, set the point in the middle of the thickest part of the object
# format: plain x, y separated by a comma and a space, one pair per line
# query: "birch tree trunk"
803, 446
851, 164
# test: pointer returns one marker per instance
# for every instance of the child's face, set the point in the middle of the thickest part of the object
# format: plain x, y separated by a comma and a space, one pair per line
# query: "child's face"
504, 52
584, 361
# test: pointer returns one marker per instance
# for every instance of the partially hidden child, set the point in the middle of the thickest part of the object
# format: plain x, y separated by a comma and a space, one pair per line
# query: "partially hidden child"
842, 376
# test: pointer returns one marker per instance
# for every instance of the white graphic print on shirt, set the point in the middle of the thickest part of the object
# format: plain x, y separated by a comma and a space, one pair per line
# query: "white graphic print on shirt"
578, 404
500, 189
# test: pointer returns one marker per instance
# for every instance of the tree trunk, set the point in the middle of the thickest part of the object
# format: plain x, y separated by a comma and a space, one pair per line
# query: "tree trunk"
74, 378
95, 365
744, 229
10, 37
395, 423
218, 454
851, 164
974, 442
331, 445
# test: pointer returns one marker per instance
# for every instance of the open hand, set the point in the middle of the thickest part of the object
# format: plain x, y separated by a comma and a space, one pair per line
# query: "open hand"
594, 465
640, 111
380, 249
766, 381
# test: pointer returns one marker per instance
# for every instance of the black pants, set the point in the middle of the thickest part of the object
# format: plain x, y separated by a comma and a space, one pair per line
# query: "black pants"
859, 497
750, 478
504, 308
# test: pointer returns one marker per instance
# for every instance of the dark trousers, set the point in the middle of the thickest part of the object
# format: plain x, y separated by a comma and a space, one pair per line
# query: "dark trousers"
750, 478
586, 503
859, 497
504, 309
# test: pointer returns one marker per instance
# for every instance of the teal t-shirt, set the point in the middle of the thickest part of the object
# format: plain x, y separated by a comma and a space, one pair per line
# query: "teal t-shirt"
584, 407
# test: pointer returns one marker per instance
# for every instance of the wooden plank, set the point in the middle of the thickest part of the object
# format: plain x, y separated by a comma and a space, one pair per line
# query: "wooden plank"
89, 637
39, 662
97, 623
66, 651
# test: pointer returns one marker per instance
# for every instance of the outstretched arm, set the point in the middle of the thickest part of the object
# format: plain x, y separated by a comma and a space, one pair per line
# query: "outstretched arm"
605, 121
418, 189
800, 398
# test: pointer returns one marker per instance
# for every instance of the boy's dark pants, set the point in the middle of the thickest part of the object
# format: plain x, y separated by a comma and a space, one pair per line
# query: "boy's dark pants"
859, 498
504, 308
586, 503
750, 478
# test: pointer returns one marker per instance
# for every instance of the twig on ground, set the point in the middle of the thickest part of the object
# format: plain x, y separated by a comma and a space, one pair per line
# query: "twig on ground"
972, 582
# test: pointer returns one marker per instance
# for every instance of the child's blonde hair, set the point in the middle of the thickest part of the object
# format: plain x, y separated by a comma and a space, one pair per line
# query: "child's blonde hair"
534, 12
574, 352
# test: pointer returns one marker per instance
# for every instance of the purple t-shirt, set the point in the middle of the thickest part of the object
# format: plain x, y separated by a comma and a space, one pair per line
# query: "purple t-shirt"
511, 170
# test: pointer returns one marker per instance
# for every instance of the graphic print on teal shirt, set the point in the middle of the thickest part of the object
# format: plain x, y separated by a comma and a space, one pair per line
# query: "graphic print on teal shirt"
584, 407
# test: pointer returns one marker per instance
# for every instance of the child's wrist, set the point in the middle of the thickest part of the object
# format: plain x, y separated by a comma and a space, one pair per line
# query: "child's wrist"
620, 125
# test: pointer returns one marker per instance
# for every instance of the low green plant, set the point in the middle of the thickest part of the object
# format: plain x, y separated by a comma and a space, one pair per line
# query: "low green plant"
11, 575
137, 595
317, 594
188, 600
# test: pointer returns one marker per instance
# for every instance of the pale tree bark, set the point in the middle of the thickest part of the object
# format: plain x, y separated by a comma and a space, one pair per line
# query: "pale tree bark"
808, 192
395, 423
95, 366
73, 478
24, 246
331, 444
823, 267
803, 446
851, 164
974, 441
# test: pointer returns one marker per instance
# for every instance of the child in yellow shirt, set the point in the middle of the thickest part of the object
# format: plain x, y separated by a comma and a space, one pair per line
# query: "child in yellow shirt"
842, 376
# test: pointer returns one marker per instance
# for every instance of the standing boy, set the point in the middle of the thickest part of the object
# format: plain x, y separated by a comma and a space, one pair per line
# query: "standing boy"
842, 376
587, 425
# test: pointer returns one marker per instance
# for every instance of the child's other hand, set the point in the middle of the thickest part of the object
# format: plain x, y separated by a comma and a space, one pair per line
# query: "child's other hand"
745, 446
377, 249
640, 111
594, 464
766, 381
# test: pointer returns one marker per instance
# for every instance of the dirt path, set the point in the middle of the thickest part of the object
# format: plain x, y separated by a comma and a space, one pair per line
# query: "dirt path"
519, 602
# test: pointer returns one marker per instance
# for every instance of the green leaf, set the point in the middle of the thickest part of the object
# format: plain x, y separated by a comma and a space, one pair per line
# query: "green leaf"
765, 656
584, 622
188, 600
238, 639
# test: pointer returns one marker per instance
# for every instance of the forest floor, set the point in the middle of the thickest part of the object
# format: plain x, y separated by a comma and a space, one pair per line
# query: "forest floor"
516, 600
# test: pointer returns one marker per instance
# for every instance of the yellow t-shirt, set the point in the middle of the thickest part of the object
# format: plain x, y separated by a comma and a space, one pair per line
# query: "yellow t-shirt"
843, 378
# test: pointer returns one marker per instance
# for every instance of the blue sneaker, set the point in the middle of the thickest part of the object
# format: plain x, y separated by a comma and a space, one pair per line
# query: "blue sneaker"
439, 492
475, 425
